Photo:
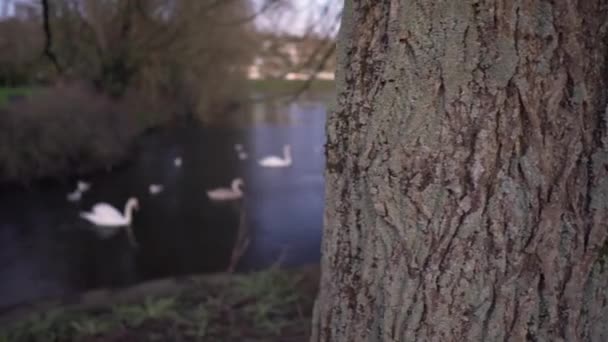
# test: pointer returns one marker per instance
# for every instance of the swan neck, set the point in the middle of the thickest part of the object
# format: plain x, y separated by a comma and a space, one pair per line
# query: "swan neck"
129, 212
287, 154
236, 187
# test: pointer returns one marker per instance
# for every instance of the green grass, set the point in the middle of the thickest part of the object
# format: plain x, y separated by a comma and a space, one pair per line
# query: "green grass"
6, 93
271, 305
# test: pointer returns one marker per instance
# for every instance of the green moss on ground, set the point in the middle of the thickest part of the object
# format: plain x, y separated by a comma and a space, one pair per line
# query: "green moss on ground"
272, 305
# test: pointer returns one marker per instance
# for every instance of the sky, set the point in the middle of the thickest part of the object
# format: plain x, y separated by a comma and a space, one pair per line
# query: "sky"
301, 16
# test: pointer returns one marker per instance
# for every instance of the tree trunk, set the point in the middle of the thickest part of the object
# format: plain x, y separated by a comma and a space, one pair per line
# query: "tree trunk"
467, 186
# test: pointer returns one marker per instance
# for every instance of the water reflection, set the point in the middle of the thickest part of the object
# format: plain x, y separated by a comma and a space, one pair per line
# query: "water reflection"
47, 250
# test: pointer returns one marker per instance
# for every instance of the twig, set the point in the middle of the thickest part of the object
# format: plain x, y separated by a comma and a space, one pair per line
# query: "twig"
242, 240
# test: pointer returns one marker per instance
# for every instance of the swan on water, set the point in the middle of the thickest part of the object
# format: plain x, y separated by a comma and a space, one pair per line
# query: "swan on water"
155, 189
81, 188
274, 161
177, 162
108, 220
74, 196
240, 151
227, 194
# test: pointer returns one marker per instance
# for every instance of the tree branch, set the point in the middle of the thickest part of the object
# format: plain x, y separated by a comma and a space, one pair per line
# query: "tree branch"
46, 25
326, 56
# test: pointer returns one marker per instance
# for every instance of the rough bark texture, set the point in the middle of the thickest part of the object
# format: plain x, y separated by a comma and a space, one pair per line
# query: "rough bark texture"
467, 184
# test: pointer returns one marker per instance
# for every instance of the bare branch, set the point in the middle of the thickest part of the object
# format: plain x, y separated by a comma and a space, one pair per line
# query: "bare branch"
265, 8
46, 25
328, 54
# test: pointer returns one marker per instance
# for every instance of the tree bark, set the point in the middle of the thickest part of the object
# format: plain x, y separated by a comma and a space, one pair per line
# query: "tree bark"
467, 186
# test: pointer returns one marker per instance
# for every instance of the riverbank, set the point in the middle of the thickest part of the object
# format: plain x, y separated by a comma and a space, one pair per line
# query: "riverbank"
61, 131
271, 305
70, 130
283, 87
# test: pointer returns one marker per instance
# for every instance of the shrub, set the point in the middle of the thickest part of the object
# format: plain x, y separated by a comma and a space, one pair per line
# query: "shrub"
60, 131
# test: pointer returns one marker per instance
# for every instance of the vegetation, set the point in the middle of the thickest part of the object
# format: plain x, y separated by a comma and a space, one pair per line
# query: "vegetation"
272, 305
119, 67
179, 51
185, 57
62, 130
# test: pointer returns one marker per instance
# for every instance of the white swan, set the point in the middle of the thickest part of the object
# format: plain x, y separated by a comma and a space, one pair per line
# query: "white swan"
240, 151
108, 220
155, 189
274, 161
227, 194
177, 162
74, 196
83, 186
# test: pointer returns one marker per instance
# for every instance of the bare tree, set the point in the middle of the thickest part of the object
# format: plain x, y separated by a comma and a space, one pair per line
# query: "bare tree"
467, 178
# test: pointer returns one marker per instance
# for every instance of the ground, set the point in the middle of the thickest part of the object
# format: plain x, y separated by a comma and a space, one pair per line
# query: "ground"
273, 305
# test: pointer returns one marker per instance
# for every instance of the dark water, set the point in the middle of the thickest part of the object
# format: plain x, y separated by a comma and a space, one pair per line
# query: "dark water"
47, 250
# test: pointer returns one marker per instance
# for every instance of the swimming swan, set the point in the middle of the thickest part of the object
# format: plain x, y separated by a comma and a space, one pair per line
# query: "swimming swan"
274, 161
81, 188
108, 220
227, 194
240, 151
155, 189
74, 196
177, 162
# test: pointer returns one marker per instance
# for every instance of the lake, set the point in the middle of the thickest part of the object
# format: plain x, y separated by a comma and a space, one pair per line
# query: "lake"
47, 250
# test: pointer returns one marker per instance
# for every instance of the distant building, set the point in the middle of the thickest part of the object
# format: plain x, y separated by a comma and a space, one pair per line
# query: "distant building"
26, 10
296, 76
291, 58
326, 75
5, 7
253, 72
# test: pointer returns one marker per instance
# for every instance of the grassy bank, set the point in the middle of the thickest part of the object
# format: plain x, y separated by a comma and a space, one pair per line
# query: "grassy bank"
272, 305
56, 132
70, 130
